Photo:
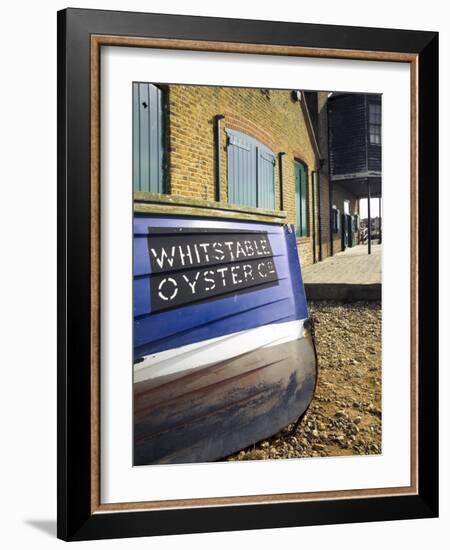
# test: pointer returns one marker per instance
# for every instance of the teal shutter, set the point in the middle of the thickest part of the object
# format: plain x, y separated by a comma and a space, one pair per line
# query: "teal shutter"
241, 170
148, 138
297, 199
301, 199
251, 172
304, 202
266, 179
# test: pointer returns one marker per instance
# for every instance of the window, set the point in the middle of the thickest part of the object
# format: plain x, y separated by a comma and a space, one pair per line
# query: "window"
335, 219
346, 207
301, 199
375, 123
251, 172
148, 138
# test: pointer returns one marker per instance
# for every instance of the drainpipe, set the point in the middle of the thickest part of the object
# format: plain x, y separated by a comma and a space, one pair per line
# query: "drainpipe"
319, 213
313, 181
379, 219
330, 201
330, 183
280, 172
217, 128
369, 229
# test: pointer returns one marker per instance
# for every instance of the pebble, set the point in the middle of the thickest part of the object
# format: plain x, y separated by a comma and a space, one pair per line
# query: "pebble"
348, 344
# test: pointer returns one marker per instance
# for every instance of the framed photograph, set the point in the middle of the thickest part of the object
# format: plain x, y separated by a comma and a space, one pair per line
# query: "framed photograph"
247, 274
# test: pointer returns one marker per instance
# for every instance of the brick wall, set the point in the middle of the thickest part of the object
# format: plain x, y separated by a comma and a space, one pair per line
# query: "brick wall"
270, 116
339, 194
324, 184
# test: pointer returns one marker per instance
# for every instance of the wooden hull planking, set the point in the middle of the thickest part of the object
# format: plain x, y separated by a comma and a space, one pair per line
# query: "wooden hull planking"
207, 413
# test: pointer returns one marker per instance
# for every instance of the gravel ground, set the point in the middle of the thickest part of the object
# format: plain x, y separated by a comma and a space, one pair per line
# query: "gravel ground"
344, 417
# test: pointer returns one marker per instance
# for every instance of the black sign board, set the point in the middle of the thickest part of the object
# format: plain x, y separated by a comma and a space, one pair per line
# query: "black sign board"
191, 265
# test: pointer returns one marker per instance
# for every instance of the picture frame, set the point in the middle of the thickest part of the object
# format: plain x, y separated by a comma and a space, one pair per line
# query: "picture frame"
81, 35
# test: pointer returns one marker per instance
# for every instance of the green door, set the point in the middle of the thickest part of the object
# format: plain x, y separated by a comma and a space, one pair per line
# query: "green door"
301, 199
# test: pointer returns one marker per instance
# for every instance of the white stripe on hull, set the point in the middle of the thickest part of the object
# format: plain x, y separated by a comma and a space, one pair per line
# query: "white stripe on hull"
215, 350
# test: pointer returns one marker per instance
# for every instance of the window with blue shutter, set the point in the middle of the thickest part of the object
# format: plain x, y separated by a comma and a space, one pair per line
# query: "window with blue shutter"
148, 138
336, 219
301, 199
251, 172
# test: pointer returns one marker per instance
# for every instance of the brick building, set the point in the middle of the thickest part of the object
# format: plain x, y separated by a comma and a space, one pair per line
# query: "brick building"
243, 153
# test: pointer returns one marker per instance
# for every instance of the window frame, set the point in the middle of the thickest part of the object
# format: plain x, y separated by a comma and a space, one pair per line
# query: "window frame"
374, 121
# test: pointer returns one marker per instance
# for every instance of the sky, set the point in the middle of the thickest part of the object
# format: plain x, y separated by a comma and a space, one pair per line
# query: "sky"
374, 208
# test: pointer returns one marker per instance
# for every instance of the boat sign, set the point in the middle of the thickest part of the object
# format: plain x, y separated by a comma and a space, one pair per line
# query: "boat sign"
190, 266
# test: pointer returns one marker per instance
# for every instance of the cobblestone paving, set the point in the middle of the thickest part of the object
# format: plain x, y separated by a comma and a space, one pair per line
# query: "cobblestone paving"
354, 266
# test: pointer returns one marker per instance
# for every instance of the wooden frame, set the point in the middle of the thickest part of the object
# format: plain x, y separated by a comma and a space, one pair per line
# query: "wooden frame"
81, 34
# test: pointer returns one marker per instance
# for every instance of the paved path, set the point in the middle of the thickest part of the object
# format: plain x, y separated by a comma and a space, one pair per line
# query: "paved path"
349, 276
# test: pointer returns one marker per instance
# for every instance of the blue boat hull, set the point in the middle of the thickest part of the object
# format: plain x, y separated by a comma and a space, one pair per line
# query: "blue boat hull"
222, 356
206, 414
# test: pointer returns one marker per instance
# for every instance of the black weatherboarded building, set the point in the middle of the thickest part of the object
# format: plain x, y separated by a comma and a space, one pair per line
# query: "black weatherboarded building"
347, 127
354, 134
355, 142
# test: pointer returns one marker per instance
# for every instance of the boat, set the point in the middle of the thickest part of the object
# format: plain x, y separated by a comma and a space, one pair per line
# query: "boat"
223, 351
